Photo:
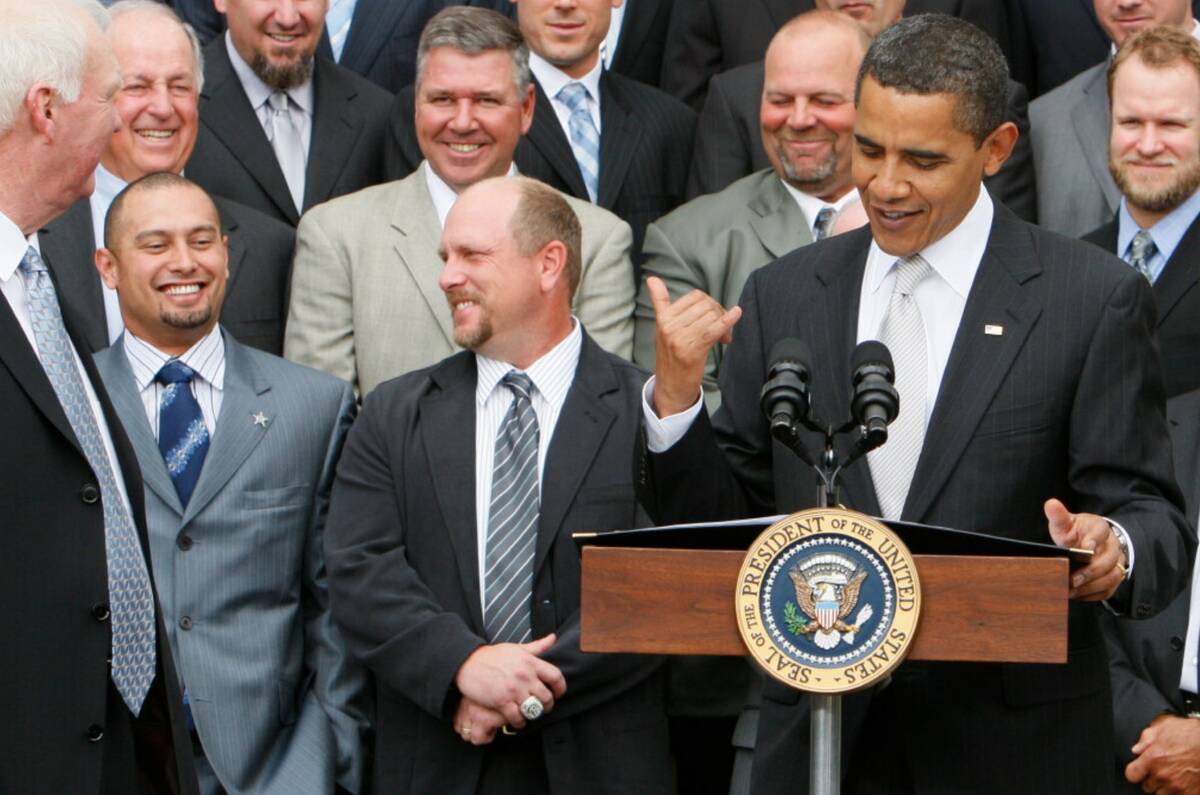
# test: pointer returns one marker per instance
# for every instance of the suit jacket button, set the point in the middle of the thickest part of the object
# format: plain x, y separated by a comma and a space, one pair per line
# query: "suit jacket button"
100, 611
89, 494
1176, 643
185, 622
95, 733
185, 542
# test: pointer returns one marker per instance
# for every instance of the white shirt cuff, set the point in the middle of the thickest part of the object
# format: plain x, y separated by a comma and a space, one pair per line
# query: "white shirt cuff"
663, 432
1120, 531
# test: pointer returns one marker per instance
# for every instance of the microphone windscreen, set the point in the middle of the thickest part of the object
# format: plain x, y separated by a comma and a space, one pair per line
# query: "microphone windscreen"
789, 349
871, 352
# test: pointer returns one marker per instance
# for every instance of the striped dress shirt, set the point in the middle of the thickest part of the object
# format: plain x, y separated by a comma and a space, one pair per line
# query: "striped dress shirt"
206, 358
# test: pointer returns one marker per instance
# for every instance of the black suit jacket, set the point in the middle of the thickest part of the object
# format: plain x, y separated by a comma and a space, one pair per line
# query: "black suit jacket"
1065, 404
233, 157
729, 141
54, 676
1177, 296
643, 34
260, 267
404, 583
645, 150
1146, 657
707, 37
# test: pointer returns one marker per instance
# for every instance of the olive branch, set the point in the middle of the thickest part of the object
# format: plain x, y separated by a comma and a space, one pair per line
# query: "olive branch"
791, 616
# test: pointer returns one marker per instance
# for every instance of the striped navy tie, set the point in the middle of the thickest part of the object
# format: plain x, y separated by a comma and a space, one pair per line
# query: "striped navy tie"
182, 435
512, 519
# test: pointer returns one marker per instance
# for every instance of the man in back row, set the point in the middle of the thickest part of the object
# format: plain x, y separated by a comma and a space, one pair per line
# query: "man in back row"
1032, 405
365, 303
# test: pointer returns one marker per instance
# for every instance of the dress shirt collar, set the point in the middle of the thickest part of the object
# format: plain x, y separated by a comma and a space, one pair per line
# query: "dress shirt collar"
108, 185
13, 245
552, 79
206, 358
811, 205
443, 195
259, 92
956, 257
551, 375
1166, 234
1112, 47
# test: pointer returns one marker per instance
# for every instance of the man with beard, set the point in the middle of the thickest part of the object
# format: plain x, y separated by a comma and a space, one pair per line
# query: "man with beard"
237, 448
806, 116
1154, 158
279, 131
162, 76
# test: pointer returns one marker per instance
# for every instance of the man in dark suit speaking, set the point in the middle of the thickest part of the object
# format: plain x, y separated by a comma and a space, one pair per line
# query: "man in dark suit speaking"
1031, 405
451, 566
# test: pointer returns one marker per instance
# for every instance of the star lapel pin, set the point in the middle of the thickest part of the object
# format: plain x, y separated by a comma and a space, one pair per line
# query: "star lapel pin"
260, 419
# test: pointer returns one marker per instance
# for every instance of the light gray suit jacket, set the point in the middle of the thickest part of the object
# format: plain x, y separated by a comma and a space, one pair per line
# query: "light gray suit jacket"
1069, 129
713, 243
365, 303
276, 700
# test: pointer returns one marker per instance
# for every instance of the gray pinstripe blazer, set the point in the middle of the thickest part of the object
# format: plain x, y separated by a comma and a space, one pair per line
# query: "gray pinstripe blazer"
241, 573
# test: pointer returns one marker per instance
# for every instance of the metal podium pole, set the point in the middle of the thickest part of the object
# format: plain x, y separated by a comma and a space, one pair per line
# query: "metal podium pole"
825, 750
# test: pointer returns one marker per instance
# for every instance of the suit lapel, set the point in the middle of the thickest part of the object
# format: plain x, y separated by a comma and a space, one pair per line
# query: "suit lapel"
413, 220
373, 23
246, 394
834, 331
237, 243
118, 380
581, 428
1091, 124
447, 431
68, 246
1180, 273
335, 130
18, 356
225, 111
634, 28
777, 220
978, 362
547, 137
620, 132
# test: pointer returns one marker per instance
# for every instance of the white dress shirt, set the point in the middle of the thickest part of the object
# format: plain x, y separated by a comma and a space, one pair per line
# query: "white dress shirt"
811, 206
206, 358
552, 376
552, 79
300, 108
1191, 648
443, 195
108, 185
13, 245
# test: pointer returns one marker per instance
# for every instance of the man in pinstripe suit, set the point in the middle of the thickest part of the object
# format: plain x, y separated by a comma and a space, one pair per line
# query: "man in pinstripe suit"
235, 505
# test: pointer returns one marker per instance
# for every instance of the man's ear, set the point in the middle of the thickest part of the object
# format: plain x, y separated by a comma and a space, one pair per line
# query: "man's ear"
552, 262
106, 263
43, 104
999, 146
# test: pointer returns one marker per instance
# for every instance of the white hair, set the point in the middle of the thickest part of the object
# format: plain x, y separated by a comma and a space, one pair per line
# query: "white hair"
39, 43
122, 7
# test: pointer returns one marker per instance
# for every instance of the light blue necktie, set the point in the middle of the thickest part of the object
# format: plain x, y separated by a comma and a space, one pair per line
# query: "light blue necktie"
585, 138
512, 519
337, 22
131, 603
1141, 250
182, 435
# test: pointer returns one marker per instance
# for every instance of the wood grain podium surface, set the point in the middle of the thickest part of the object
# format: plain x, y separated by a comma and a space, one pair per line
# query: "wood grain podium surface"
680, 601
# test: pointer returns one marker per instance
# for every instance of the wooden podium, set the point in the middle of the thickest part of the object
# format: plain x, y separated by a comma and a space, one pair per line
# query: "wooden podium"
680, 601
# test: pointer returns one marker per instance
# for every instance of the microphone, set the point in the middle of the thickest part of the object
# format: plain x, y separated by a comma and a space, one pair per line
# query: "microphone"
875, 402
784, 397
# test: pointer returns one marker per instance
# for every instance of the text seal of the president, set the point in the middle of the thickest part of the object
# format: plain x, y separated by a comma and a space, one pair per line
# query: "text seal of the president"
828, 600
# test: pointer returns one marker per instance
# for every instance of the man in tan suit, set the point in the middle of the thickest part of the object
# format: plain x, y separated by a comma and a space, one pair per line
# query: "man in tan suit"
714, 242
365, 301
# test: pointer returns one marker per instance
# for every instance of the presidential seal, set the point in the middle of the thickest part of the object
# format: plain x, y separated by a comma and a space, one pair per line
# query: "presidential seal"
828, 600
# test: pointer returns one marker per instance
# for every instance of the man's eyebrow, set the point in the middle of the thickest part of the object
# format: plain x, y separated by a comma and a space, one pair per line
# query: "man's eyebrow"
922, 154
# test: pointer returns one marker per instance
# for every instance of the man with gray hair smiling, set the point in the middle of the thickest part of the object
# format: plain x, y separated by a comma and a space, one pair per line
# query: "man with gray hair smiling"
365, 304
87, 682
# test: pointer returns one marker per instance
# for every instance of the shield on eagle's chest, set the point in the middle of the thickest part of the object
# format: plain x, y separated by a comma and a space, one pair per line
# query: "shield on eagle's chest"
827, 613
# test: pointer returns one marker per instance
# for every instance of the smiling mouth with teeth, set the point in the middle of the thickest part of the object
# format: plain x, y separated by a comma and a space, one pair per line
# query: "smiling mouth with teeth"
182, 289
465, 149
159, 134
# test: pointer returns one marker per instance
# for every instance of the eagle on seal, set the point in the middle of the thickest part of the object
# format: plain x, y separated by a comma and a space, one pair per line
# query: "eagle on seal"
828, 604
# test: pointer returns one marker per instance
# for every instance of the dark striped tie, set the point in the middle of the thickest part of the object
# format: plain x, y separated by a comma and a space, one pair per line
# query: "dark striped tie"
512, 519
182, 435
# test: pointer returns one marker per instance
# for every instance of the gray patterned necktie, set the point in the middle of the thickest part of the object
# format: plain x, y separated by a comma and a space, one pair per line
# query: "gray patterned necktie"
893, 464
823, 223
1140, 251
131, 603
512, 519
288, 146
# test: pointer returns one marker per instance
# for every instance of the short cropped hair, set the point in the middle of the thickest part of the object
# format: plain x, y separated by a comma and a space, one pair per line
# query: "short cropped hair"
157, 180
939, 54
542, 216
1157, 48
40, 44
474, 31
163, 10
